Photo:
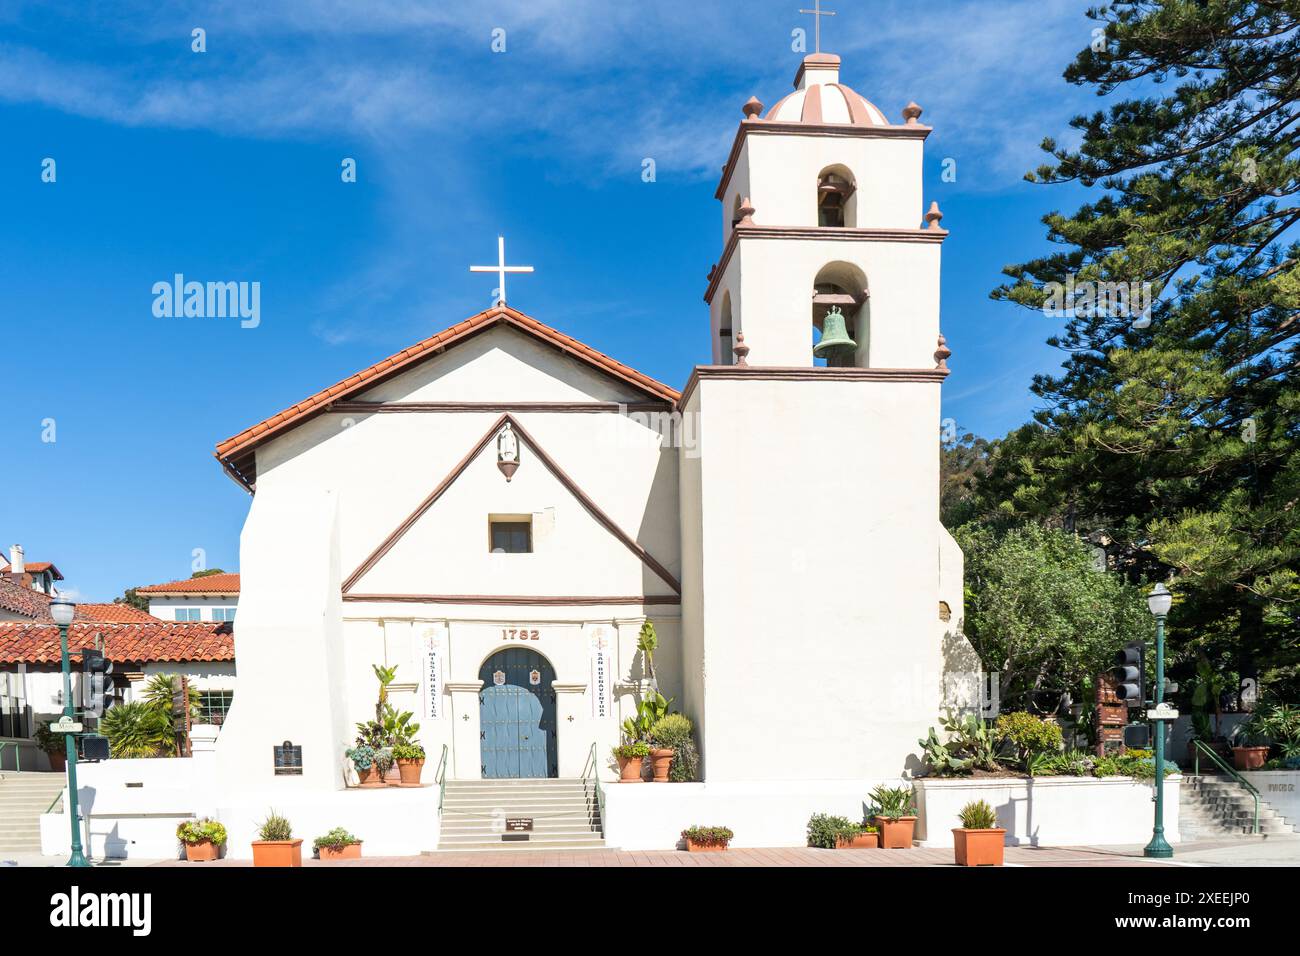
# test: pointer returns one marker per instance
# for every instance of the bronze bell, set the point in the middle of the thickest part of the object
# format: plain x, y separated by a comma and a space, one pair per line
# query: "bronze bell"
835, 342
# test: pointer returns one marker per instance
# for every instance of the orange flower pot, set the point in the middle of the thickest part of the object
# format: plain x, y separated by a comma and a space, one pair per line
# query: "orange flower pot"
202, 852
370, 777
978, 847
896, 834
661, 760
693, 847
349, 851
409, 771
58, 762
277, 853
629, 769
1249, 758
863, 841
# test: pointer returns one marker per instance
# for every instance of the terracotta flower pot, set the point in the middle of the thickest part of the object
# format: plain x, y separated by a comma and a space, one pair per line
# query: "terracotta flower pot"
202, 852
629, 769
277, 853
349, 851
1249, 758
863, 841
978, 847
370, 777
661, 760
58, 762
409, 771
693, 847
896, 834
392, 776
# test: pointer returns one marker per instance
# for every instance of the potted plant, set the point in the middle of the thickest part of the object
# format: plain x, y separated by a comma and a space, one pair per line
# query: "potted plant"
407, 753
366, 761
896, 816
275, 845
707, 839
1249, 746
979, 841
203, 839
839, 833
338, 844
410, 762
630, 757
1280, 723
676, 733
54, 745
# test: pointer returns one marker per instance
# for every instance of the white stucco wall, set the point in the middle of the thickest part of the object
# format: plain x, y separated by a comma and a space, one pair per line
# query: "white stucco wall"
163, 606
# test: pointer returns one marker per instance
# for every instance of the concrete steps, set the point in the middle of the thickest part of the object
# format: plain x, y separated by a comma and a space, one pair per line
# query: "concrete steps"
23, 798
1212, 806
564, 814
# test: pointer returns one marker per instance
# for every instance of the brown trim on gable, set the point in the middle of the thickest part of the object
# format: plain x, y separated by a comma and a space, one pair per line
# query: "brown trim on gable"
570, 485
369, 408
512, 599
831, 233
778, 373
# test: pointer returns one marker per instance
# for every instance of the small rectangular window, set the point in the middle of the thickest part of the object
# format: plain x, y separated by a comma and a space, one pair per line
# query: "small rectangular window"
511, 537
214, 705
189, 614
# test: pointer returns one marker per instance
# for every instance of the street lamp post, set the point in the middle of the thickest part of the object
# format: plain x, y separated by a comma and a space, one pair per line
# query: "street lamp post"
1159, 601
63, 611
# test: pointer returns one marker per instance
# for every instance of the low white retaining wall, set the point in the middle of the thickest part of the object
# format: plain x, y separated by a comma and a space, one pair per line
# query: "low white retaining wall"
1049, 811
1280, 789
652, 816
130, 808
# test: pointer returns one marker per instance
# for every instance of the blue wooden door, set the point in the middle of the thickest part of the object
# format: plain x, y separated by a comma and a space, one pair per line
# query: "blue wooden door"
517, 715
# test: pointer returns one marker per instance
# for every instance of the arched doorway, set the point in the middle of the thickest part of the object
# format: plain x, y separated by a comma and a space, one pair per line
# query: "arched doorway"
517, 715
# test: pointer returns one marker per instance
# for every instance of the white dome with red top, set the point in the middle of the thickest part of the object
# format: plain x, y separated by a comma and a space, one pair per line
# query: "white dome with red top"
820, 98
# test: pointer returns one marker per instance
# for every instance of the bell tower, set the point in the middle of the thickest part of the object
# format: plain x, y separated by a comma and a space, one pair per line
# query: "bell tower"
814, 566
821, 213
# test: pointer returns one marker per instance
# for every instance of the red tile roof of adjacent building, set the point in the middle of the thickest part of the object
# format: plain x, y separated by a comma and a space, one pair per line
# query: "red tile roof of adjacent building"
114, 614
36, 567
208, 584
162, 641
18, 599
236, 453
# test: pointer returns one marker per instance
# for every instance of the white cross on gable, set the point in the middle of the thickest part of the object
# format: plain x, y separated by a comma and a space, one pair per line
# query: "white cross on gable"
817, 14
501, 269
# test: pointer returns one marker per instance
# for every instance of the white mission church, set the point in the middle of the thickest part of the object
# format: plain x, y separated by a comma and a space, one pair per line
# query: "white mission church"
501, 506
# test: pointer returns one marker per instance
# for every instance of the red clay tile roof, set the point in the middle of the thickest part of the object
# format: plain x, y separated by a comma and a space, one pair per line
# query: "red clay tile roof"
123, 643
36, 567
209, 584
235, 454
114, 614
23, 600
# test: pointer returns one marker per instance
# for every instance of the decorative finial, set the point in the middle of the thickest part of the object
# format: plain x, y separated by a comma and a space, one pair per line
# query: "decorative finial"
933, 217
753, 108
942, 353
912, 113
746, 211
741, 349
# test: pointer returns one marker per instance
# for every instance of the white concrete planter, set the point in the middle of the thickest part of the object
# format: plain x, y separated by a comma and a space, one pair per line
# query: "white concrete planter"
1280, 789
1049, 811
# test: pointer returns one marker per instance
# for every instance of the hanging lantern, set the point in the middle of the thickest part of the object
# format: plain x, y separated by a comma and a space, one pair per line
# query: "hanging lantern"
507, 452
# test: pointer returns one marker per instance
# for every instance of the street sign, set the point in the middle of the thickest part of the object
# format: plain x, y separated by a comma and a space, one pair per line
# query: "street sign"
65, 725
1162, 712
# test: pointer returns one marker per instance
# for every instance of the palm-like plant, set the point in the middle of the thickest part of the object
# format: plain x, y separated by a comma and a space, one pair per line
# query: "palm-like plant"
385, 675
138, 729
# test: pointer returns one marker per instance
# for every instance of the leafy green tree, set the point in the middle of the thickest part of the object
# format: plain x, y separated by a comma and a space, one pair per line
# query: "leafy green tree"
1174, 430
1039, 611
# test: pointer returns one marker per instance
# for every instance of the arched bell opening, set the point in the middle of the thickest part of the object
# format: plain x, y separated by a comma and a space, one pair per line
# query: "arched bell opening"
840, 316
837, 197
726, 337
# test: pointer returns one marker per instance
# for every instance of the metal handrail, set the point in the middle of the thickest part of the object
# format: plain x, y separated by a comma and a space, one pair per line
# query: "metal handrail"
1201, 747
440, 776
595, 777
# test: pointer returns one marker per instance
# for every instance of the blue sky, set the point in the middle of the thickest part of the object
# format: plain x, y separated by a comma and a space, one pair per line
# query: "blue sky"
225, 165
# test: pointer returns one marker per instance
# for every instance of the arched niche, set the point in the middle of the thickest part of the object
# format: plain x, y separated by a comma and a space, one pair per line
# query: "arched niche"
726, 335
837, 197
843, 286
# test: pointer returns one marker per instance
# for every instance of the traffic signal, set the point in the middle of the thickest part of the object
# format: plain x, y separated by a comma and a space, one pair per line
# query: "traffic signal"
1130, 674
94, 667
94, 747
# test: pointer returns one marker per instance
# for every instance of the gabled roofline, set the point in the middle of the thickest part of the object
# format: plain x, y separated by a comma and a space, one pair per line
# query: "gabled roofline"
236, 454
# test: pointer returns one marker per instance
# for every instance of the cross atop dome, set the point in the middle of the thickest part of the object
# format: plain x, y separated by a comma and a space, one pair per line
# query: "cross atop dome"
817, 13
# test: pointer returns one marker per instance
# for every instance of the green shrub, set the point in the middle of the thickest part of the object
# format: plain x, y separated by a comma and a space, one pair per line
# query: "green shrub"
708, 836
275, 827
336, 839
675, 732
1028, 734
407, 751
196, 831
893, 802
632, 750
978, 815
138, 729
826, 831
970, 746
50, 742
